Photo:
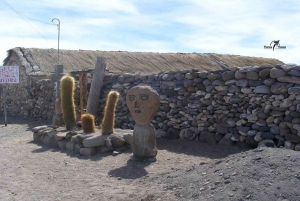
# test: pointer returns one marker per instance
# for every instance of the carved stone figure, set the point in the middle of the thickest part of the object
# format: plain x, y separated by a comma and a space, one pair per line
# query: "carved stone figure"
143, 103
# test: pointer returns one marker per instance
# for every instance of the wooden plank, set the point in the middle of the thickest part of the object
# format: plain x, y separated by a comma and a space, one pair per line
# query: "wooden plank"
96, 86
81, 92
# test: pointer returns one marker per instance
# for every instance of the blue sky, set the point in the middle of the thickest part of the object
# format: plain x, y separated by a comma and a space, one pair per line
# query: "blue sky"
240, 27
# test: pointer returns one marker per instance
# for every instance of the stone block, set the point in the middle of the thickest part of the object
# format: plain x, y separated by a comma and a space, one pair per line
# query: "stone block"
62, 144
94, 141
70, 146
60, 136
88, 151
116, 140
36, 129
208, 137
127, 137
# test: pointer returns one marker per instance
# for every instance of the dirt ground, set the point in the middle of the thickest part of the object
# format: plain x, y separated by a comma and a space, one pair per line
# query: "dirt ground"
184, 170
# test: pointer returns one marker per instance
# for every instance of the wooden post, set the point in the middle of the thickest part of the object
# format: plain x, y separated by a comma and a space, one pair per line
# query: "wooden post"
96, 86
81, 93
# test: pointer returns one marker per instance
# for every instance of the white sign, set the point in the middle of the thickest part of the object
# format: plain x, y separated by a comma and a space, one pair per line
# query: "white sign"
9, 74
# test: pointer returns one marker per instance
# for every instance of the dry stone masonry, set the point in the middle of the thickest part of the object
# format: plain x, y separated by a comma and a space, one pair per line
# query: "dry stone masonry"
249, 106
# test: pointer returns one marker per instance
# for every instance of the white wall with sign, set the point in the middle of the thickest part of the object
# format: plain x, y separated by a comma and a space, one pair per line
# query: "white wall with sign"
9, 74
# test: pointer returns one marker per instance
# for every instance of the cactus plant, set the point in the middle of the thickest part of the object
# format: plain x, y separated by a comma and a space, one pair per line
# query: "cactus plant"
108, 121
67, 87
88, 123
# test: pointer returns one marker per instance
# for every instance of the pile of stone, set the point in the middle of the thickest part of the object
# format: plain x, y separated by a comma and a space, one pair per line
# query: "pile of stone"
82, 143
249, 106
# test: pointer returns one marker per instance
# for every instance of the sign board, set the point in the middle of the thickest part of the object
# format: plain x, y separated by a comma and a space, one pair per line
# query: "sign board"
9, 74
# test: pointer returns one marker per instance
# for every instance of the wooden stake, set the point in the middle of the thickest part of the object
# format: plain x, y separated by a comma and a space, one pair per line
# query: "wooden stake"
81, 93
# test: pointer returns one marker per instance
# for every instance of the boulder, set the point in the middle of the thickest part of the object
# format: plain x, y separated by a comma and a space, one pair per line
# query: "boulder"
94, 141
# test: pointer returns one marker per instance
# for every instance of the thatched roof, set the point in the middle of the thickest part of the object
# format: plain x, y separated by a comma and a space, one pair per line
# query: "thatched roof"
35, 59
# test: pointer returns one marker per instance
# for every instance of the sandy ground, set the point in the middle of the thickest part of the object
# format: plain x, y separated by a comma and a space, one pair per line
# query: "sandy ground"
184, 170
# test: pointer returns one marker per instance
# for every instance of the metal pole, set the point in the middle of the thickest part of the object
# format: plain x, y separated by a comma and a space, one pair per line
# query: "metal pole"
58, 25
4, 105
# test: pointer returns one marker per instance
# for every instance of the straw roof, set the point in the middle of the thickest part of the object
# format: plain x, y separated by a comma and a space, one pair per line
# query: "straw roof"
127, 62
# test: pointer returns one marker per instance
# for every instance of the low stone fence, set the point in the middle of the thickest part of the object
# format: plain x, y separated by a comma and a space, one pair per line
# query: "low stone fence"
245, 106
81, 143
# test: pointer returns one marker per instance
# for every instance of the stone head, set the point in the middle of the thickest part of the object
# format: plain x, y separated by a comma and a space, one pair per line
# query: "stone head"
143, 103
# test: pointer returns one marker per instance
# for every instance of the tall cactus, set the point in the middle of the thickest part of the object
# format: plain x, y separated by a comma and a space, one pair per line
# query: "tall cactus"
67, 88
88, 123
108, 121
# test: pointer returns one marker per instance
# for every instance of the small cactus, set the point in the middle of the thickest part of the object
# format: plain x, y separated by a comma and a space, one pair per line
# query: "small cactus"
108, 121
88, 123
67, 88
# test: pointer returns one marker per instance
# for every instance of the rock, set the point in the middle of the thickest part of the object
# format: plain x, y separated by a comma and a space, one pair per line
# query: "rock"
62, 144
116, 140
88, 151
292, 138
60, 136
251, 118
251, 75
269, 81
94, 141
127, 137
240, 75
265, 72
289, 79
255, 83
267, 135
173, 133
51, 133
230, 123
189, 134
286, 103
279, 88
258, 137
108, 142
227, 75
243, 130
226, 140
70, 146
294, 72
105, 149
38, 128
208, 137
297, 147
289, 145
294, 90
262, 89
70, 134
251, 142
115, 153
252, 133
222, 129
275, 130
266, 143
80, 137
242, 83
276, 73
235, 100
213, 76
191, 75
77, 148
37, 137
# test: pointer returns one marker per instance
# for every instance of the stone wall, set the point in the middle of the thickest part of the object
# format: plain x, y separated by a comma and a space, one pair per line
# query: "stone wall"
245, 106
34, 97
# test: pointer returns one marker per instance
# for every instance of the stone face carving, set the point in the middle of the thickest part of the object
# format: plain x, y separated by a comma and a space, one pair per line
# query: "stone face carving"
143, 103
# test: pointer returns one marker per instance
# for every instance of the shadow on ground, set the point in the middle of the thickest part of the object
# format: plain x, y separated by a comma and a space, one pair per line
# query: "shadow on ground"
196, 148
